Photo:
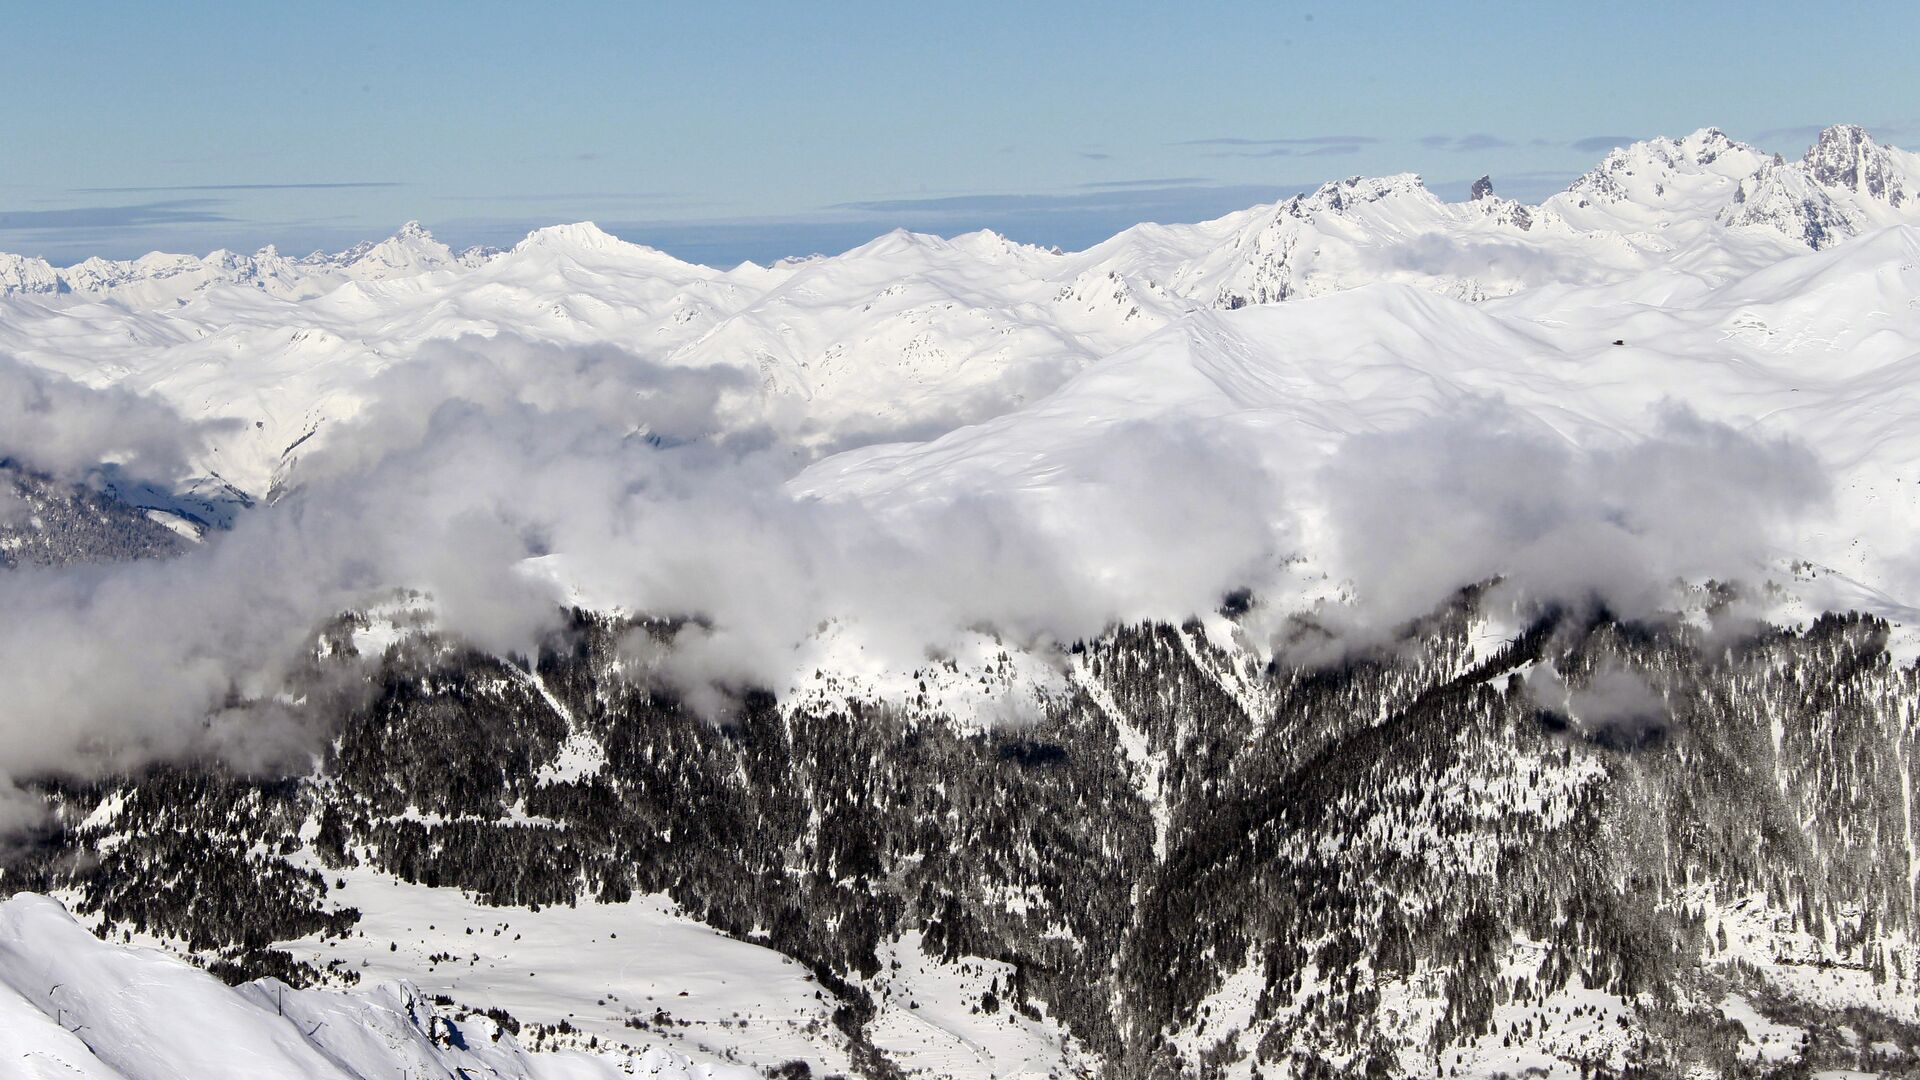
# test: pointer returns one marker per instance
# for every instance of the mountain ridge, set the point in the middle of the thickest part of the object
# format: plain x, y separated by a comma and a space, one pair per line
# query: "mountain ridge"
1844, 183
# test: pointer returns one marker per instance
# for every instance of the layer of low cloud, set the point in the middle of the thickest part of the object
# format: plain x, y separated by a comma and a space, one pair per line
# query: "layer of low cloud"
1488, 258
487, 472
498, 474
1414, 514
52, 424
1613, 704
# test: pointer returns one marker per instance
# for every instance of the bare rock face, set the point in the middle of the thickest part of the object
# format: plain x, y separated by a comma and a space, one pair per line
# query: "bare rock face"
1786, 198
22, 275
1846, 184
1482, 189
1846, 157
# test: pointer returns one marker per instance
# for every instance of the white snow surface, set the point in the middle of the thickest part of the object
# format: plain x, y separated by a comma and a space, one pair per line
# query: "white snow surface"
595, 966
74, 1006
711, 1007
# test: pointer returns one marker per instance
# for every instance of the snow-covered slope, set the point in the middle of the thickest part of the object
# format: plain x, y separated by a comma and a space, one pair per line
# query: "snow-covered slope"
1823, 347
74, 1006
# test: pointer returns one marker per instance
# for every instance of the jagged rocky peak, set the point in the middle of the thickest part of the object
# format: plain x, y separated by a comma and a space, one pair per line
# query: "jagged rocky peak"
1846, 157
410, 250
1845, 185
1330, 239
21, 274
1707, 144
159, 277
413, 236
1337, 196
1784, 197
1663, 170
477, 254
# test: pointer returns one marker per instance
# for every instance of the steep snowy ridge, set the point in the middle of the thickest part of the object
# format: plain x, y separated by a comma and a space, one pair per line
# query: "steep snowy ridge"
20, 275
411, 250
1658, 183
1845, 185
1654, 203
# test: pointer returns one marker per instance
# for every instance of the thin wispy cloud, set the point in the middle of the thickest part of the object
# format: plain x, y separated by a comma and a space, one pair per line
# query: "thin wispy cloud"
140, 215
1300, 140
1328, 150
1465, 143
570, 196
1600, 144
1152, 182
316, 186
1119, 194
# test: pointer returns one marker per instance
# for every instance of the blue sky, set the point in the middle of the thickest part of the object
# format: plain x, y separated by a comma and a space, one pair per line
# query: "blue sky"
721, 131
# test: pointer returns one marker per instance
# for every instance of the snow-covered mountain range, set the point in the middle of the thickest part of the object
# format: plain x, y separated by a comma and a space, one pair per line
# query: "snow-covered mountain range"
913, 333
1363, 634
1768, 295
157, 279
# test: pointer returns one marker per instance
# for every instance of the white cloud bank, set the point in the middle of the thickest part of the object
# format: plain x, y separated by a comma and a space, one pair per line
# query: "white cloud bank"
664, 490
